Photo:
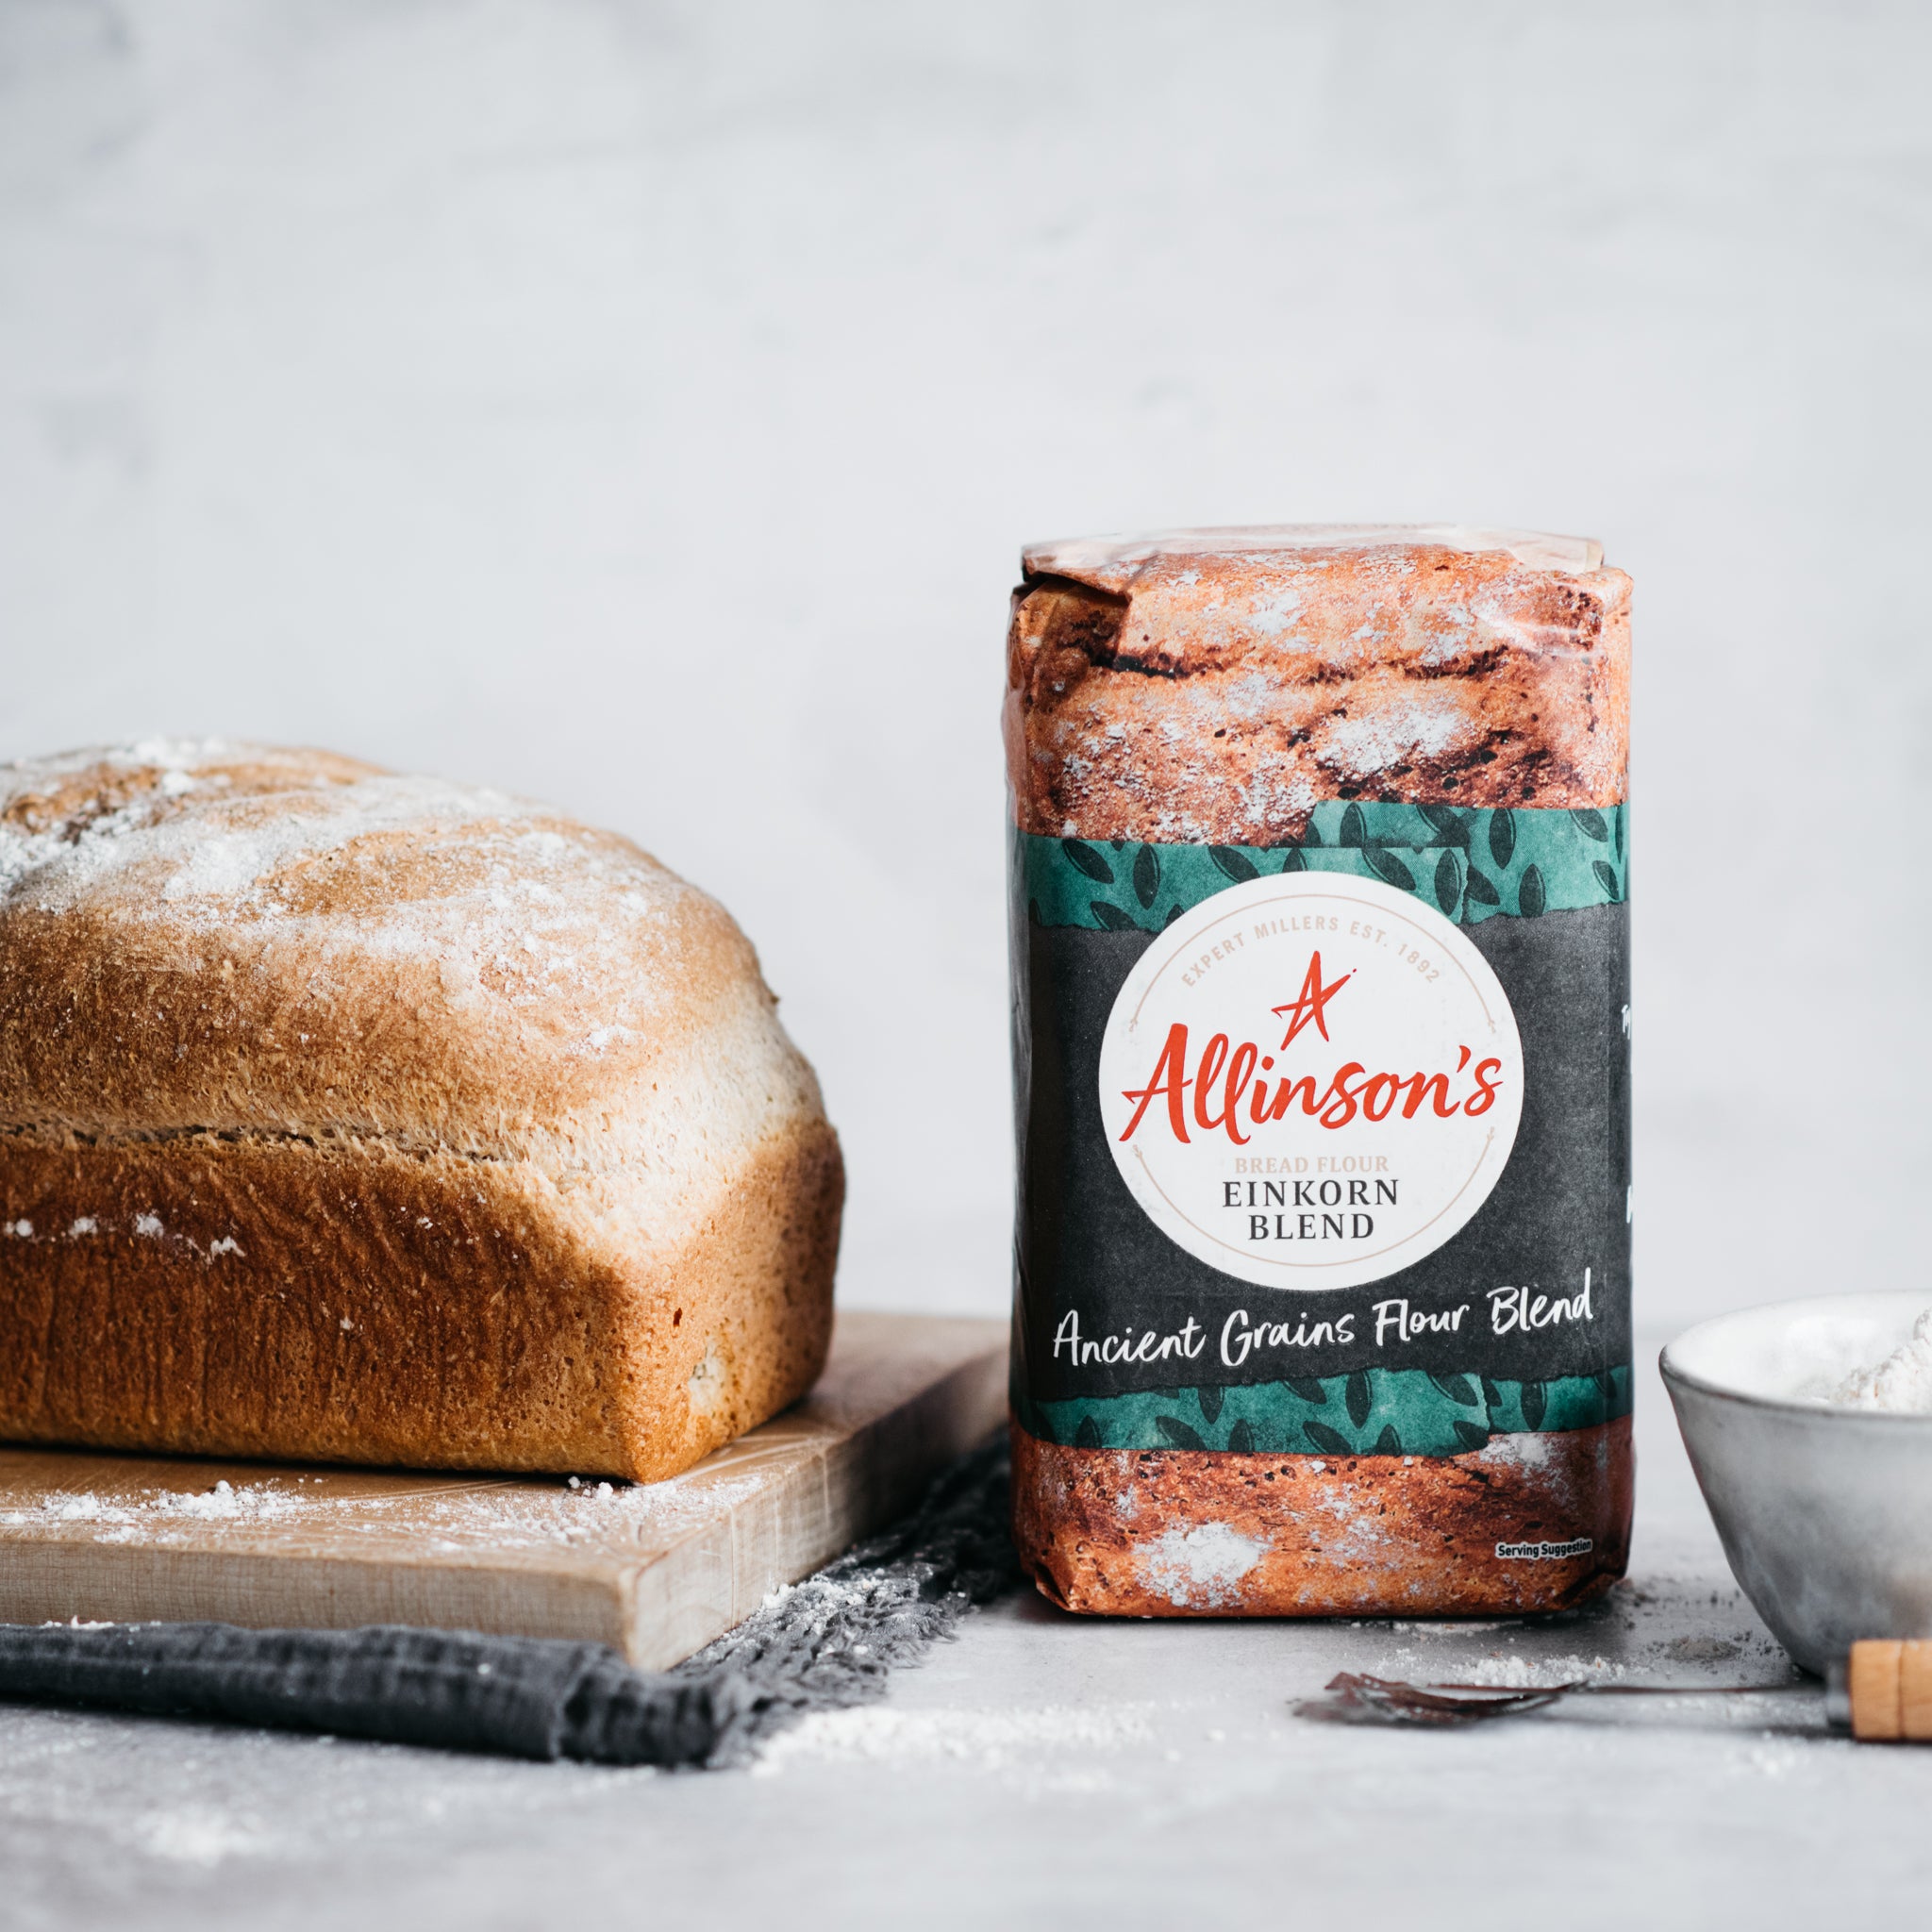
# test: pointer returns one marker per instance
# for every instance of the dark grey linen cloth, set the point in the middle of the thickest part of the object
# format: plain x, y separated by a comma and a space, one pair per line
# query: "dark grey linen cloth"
825, 1644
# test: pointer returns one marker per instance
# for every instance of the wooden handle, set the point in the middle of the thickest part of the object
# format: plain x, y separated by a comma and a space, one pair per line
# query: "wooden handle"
1889, 1687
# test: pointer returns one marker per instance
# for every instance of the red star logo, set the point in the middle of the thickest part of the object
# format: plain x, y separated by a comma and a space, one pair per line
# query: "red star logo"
1309, 1002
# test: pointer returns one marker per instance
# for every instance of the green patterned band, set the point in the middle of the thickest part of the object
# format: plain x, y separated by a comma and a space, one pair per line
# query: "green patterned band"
1371, 1412
1467, 864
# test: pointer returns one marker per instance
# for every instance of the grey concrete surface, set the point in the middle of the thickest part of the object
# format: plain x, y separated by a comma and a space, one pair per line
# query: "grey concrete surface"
1046, 1771
641, 403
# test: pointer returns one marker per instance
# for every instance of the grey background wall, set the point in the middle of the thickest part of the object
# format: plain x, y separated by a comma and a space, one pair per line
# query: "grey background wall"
641, 406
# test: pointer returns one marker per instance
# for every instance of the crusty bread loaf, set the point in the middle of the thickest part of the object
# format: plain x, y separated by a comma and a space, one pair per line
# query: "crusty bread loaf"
371, 1118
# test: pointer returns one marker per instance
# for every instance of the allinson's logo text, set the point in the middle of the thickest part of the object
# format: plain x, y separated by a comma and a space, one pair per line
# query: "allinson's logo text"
1327, 1139
1225, 1077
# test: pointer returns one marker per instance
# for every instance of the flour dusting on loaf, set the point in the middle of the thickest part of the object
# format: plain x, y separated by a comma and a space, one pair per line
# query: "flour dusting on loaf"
290, 982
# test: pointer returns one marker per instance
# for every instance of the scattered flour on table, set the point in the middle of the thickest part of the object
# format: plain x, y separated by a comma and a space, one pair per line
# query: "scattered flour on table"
984, 1740
201, 1837
1528, 1673
1771, 1757
90, 1786
1899, 1385
1505, 1672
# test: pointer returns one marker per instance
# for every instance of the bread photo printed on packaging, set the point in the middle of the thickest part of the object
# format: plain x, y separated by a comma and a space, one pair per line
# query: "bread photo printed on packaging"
368, 1118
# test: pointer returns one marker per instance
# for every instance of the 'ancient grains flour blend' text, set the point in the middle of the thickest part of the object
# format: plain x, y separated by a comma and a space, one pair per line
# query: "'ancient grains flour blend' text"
1320, 928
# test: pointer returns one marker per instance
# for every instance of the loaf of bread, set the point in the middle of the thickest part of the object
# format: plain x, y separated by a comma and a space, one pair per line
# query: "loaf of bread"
369, 1118
1427, 709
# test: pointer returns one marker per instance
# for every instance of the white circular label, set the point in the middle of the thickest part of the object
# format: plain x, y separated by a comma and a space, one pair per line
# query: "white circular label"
1311, 1080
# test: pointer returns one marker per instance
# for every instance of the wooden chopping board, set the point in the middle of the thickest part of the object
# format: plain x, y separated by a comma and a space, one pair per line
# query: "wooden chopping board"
656, 1570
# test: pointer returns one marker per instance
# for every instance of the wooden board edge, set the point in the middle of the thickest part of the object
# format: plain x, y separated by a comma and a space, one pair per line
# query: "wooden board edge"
52, 1582
723, 1572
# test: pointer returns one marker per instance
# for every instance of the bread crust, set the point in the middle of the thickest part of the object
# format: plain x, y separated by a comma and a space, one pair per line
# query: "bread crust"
354, 1302
294, 943
351, 1117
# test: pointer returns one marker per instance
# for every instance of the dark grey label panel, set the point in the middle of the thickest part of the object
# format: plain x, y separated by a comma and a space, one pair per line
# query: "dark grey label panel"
1090, 1261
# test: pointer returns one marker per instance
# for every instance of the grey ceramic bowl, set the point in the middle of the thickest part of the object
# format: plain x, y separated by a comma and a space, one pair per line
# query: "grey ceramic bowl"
1825, 1513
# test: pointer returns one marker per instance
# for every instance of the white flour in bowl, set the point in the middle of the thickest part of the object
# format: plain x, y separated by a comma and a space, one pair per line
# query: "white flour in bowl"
1901, 1383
